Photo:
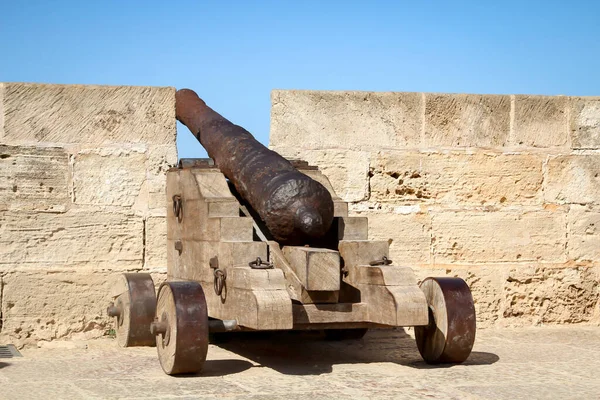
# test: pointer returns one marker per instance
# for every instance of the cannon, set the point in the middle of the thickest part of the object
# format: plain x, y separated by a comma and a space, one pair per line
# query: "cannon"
257, 242
295, 208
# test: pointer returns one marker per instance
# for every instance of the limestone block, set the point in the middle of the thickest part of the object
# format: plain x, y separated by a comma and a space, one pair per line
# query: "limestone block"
466, 120
477, 236
34, 178
155, 247
81, 237
573, 179
109, 176
542, 295
584, 233
38, 305
88, 114
540, 121
317, 269
451, 178
347, 170
160, 159
486, 284
348, 120
409, 236
585, 122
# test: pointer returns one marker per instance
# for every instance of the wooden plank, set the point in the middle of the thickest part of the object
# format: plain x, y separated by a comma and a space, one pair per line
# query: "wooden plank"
223, 208
233, 254
362, 252
253, 309
194, 209
395, 305
389, 275
274, 309
254, 279
235, 229
193, 261
340, 208
317, 269
293, 285
353, 228
319, 297
328, 313
211, 183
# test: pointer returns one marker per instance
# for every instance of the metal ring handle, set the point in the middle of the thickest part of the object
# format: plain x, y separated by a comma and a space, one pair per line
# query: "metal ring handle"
384, 261
260, 264
178, 207
219, 282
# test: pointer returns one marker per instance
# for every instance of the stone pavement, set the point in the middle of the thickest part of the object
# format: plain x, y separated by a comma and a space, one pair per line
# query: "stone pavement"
532, 363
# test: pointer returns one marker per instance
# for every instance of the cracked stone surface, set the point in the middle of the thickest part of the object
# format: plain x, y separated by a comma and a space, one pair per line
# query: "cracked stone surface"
531, 363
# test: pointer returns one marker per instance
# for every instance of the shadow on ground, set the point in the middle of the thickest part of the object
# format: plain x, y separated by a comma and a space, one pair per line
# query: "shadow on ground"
308, 353
2, 365
220, 368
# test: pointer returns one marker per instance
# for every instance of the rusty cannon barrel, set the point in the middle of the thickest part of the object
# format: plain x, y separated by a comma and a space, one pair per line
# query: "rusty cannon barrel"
295, 208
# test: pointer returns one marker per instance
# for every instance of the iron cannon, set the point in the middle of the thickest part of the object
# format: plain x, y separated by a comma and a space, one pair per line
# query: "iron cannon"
257, 242
294, 207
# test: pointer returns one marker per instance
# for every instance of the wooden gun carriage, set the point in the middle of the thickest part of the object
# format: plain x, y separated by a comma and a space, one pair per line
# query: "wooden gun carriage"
226, 272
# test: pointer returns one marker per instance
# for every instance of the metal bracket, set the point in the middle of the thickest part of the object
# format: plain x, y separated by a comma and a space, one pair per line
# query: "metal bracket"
384, 261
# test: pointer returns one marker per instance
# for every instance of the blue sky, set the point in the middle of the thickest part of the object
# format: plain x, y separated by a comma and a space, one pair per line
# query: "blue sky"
233, 53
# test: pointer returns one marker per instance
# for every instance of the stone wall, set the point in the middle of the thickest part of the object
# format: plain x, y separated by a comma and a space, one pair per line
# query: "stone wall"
82, 179
502, 190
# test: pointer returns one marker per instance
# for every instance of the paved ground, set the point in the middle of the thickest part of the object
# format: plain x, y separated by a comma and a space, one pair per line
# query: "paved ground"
557, 363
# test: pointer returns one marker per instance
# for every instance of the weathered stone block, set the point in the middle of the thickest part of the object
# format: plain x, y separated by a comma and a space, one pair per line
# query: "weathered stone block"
350, 120
109, 176
409, 236
347, 170
584, 234
466, 120
573, 179
471, 236
486, 284
585, 122
160, 159
88, 114
540, 121
34, 178
456, 178
37, 305
540, 295
155, 243
81, 237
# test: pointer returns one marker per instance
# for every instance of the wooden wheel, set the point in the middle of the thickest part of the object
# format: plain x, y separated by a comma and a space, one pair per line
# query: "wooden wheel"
133, 309
181, 327
345, 334
450, 335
